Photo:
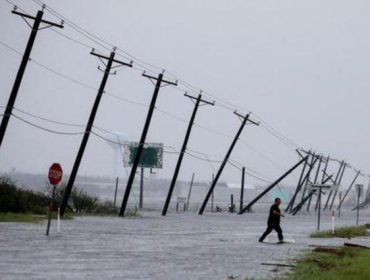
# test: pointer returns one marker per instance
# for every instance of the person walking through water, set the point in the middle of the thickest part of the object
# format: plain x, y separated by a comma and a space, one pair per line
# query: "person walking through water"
273, 221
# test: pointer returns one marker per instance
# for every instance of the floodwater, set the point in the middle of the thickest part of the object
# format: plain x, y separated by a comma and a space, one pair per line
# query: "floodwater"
181, 245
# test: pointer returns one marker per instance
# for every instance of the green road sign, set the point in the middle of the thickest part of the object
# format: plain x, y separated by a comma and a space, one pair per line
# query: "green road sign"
152, 156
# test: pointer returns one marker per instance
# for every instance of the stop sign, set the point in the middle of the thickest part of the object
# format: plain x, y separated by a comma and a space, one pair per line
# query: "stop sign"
55, 174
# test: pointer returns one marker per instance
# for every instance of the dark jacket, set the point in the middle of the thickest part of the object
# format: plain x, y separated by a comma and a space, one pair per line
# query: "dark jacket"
273, 218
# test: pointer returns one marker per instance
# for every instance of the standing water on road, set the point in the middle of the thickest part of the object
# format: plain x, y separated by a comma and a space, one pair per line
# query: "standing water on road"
178, 246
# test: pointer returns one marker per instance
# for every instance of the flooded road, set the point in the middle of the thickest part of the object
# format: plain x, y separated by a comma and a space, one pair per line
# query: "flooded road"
179, 246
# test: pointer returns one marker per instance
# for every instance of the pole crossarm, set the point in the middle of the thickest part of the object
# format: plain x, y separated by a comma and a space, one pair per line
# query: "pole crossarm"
34, 18
121, 63
248, 120
156, 78
201, 100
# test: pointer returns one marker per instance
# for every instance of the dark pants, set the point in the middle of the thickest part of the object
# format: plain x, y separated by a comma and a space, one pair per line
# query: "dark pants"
270, 227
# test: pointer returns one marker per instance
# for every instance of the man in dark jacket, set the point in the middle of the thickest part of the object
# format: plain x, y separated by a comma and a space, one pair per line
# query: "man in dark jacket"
273, 221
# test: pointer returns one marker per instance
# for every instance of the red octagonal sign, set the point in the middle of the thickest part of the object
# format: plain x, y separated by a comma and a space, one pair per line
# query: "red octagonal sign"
55, 174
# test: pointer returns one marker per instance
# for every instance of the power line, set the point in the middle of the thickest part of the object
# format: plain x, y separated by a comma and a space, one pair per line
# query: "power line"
144, 105
11, 48
48, 120
106, 45
46, 129
103, 43
248, 173
222, 103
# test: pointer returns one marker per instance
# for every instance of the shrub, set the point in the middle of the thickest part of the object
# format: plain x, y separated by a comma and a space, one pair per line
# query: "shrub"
17, 200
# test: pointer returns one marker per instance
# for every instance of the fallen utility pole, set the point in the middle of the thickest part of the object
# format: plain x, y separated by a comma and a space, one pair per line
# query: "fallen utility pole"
300, 205
322, 179
306, 178
246, 208
140, 148
366, 200
90, 124
214, 182
339, 181
299, 185
183, 149
26, 57
335, 182
349, 188
312, 165
315, 181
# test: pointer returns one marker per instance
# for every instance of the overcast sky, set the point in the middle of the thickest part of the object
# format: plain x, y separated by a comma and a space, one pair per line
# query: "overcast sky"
300, 67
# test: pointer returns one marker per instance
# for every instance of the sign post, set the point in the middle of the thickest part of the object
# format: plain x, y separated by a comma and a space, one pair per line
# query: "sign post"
151, 157
319, 188
359, 189
55, 176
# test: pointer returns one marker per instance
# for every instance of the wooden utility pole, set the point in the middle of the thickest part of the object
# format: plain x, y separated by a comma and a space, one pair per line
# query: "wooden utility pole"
183, 149
140, 148
245, 119
26, 57
89, 125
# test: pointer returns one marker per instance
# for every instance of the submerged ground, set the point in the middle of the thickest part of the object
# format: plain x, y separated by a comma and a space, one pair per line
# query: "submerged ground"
181, 245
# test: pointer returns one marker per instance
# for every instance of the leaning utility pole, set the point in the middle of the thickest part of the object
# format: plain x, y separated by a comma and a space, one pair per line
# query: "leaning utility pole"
183, 149
89, 125
245, 120
242, 190
246, 208
349, 188
312, 165
315, 181
142, 139
299, 185
335, 182
322, 179
26, 57
339, 181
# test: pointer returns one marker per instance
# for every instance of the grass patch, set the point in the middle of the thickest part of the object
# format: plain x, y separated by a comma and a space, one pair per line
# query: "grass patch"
9, 217
344, 232
345, 263
21, 218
